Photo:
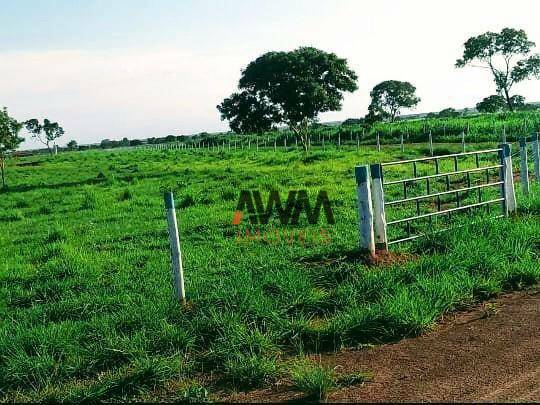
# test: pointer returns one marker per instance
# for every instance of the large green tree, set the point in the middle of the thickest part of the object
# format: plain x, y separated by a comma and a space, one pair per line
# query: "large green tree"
389, 97
290, 88
507, 55
45, 133
9, 139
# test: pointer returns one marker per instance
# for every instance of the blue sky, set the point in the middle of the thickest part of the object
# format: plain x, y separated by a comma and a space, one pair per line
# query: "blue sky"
109, 69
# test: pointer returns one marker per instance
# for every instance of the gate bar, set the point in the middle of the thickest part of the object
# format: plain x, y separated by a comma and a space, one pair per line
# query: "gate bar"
498, 183
431, 176
432, 214
477, 152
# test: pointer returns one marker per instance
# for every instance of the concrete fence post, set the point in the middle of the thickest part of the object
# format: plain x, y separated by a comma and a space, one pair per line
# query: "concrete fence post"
523, 166
365, 209
536, 156
430, 143
378, 142
402, 145
176, 255
463, 141
507, 177
379, 216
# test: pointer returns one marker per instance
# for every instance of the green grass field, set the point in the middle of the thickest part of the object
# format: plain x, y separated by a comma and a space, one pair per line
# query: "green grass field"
87, 310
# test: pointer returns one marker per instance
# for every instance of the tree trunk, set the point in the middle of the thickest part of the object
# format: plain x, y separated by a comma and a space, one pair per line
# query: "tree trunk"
2, 163
302, 136
508, 101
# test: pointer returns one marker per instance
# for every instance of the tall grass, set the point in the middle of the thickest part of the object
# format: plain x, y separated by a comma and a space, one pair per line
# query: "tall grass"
87, 310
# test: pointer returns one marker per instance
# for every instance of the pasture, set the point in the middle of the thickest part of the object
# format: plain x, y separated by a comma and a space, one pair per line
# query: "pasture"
87, 310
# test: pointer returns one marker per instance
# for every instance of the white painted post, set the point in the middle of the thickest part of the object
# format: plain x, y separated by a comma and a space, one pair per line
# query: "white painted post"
536, 156
339, 140
402, 147
463, 141
176, 254
523, 166
285, 142
378, 142
56, 149
379, 222
507, 177
275, 144
430, 143
357, 141
365, 209
504, 134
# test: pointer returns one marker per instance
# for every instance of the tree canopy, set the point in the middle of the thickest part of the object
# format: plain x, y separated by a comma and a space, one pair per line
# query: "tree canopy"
9, 139
289, 88
45, 133
507, 54
497, 103
389, 97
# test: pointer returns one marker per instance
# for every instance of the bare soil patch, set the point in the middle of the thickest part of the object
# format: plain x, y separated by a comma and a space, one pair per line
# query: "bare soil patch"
489, 353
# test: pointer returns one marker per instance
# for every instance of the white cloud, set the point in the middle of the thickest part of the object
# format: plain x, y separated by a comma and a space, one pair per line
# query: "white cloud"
154, 91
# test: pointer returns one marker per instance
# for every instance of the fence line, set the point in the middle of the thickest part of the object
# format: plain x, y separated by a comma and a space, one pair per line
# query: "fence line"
504, 183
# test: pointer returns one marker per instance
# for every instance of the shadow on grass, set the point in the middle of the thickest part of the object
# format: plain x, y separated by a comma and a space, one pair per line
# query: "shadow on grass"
24, 187
355, 256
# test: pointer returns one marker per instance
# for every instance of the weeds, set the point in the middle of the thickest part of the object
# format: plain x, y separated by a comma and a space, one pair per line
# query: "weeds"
87, 310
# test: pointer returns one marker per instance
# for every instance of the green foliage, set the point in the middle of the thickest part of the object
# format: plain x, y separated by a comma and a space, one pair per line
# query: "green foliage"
72, 145
389, 97
497, 51
491, 104
9, 139
289, 88
315, 380
87, 310
45, 133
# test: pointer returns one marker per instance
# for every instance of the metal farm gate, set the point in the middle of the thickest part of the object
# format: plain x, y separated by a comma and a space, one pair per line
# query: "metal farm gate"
429, 188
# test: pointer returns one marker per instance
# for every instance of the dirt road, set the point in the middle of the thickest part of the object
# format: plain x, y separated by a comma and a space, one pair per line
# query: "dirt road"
491, 353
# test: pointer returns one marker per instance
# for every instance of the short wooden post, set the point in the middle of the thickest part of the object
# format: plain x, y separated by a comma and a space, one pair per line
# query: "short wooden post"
523, 166
430, 143
365, 209
402, 145
536, 156
378, 142
507, 177
176, 255
379, 216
